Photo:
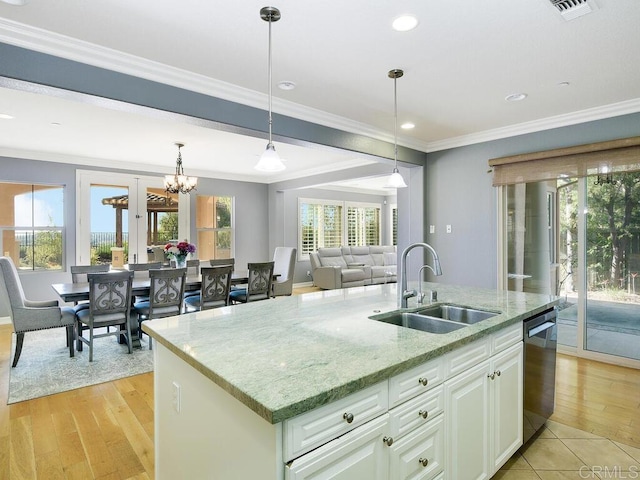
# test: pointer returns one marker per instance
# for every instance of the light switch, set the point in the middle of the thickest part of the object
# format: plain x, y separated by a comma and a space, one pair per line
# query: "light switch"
432, 229
448, 228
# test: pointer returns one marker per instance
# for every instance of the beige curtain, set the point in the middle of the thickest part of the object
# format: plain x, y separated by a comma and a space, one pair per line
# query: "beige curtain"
614, 156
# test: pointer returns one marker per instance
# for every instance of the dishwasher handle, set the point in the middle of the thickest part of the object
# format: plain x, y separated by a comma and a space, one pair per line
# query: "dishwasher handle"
540, 328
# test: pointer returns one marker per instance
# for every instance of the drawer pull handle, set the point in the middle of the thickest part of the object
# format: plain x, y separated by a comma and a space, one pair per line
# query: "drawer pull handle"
388, 441
423, 381
424, 461
423, 413
348, 417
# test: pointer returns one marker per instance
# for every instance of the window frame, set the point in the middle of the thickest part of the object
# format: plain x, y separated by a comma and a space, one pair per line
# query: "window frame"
231, 229
31, 230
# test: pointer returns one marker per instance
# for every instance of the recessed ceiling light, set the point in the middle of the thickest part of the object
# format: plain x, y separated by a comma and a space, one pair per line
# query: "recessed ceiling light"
405, 23
286, 85
515, 97
407, 126
5, 116
55, 124
19, 3
564, 84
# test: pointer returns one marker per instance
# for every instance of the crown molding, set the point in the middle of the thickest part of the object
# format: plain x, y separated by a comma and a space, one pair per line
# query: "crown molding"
574, 118
33, 38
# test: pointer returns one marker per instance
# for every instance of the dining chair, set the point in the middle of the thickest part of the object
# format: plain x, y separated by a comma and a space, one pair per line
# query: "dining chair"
109, 305
258, 286
166, 296
219, 262
29, 315
214, 291
141, 270
193, 270
284, 262
79, 275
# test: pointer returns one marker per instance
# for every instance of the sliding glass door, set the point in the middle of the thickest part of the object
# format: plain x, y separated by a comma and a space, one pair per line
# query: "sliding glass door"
580, 239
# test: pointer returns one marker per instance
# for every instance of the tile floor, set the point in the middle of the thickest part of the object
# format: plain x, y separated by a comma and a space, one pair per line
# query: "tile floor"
559, 452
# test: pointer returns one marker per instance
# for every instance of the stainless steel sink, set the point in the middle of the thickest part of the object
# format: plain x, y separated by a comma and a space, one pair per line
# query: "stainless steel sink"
457, 313
418, 322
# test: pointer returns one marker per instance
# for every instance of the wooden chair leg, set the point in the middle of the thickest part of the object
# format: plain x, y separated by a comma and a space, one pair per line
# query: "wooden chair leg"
91, 343
19, 342
129, 339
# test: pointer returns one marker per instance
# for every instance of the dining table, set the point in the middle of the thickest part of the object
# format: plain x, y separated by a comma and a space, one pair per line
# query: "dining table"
76, 292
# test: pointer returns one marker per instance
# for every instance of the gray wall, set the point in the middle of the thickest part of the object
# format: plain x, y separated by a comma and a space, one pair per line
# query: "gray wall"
459, 193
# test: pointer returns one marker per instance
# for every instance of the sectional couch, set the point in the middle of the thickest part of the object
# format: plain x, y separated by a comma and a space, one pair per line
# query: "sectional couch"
343, 267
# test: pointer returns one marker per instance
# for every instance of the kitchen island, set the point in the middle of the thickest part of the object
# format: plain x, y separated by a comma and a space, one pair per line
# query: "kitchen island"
230, 382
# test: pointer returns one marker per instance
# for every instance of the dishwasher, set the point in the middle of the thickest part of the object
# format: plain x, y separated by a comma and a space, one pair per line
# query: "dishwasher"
540, 345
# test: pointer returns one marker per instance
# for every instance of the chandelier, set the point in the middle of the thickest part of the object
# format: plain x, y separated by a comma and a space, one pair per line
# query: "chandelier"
179, 183
605, 177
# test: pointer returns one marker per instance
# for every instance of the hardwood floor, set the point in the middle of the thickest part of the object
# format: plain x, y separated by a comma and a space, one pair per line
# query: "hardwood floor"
106, 431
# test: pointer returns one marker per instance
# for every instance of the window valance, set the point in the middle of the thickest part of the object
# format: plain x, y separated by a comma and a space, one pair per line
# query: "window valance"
615, 155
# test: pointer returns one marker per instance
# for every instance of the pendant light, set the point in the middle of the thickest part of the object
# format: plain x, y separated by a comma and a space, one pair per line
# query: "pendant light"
179, 182
270, 160
395, 179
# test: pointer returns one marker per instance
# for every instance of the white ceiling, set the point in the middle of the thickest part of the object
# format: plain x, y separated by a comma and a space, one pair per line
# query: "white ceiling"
460, 63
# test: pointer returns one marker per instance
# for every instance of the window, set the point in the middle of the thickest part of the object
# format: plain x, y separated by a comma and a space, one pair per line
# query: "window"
32, 225
363, 225
214, 225
321, 225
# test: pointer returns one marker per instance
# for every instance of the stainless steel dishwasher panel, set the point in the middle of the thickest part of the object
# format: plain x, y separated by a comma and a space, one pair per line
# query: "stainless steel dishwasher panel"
540, 345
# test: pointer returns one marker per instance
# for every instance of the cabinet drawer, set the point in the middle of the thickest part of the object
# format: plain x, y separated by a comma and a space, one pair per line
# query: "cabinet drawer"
312, 429
416, 412
360, 454
461, 359
413, 382
419, 455
506, 337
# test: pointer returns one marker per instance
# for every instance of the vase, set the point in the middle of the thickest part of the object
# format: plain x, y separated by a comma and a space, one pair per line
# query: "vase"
181, 261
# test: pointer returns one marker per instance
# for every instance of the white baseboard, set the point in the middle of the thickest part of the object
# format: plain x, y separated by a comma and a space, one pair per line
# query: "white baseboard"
5, 320
303, 284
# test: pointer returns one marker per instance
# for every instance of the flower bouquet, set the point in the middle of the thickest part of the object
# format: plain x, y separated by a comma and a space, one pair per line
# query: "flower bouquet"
179, 252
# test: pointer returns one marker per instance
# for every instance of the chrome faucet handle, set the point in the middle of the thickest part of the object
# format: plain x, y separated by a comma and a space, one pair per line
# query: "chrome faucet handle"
421, 296
409, 293
433, 296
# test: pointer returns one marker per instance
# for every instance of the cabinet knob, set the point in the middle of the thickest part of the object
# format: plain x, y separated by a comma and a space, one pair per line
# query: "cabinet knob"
498, 373
348, 417
491, 375
423, 381
388, 441
424, 461
423, 413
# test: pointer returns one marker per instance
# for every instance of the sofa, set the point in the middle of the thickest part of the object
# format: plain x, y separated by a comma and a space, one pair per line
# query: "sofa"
342, 267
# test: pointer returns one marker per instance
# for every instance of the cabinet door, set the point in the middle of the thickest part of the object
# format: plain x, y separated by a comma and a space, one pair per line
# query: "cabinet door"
420, 454
360, 454
506, 392
467, 424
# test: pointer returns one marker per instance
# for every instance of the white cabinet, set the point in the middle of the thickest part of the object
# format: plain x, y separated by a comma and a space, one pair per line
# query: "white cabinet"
420, 454
484, 416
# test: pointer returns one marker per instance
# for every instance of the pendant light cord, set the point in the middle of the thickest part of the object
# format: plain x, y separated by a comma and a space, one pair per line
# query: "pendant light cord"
395, 123
270, 83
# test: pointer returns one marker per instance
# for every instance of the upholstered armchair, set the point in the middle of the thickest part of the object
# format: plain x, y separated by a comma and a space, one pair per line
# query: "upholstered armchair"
29, 316
284, 260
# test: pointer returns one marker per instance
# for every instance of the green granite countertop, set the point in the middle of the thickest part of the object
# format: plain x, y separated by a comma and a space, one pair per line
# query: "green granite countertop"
285, 356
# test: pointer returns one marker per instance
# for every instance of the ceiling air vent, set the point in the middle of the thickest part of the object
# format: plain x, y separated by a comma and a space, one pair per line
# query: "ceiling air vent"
570, 9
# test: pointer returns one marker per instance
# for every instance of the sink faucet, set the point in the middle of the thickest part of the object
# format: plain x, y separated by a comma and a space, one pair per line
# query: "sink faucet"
404, 293
433, 295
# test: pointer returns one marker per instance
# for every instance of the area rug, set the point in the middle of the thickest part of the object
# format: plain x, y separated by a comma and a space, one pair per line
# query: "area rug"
45, 367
